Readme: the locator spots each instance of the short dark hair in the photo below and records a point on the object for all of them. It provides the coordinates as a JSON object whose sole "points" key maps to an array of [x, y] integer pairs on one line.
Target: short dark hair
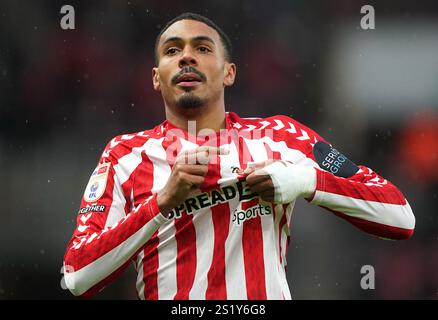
{"points": [[226, 42]]}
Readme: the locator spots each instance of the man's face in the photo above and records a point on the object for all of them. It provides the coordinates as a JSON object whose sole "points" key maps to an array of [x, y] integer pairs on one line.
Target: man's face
{"points": [[191, 70]]}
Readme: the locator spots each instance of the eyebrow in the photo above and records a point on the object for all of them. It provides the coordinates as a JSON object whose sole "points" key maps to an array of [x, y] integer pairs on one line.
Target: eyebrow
{"points": [[194, 39]]}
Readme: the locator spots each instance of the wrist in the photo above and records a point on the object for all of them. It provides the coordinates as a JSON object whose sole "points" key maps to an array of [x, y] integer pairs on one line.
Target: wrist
{"points": [[291, 180], [308, 178], [150, 208], [304, 178], [163, 204]]}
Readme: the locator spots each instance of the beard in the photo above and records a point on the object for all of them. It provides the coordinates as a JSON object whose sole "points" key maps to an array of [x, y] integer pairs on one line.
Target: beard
{"points": [[190, 101]]}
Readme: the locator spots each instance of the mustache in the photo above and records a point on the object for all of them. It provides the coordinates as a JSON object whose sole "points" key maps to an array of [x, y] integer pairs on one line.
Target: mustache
{"points": [[188, 69]]}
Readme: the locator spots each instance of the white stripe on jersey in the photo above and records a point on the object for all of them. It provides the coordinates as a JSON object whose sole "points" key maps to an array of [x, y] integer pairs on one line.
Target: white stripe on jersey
{"points": [[234, 263], [204, 229], [167, 250], [140, 282], [117, 210], [129, 162], [283, 238], [257, 150], [396, 215], [285, 232], [157, 155], [227, 176], [289, 211], [228, 161], [279, 212]]}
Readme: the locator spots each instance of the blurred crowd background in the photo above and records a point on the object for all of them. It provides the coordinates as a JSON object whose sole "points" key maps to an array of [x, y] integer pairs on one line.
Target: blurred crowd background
{"points": [[372, 93]]}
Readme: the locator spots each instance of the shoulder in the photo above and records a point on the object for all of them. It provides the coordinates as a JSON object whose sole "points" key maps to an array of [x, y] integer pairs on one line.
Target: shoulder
{"points": [[124, 144], [276, 120], [280, 124]]}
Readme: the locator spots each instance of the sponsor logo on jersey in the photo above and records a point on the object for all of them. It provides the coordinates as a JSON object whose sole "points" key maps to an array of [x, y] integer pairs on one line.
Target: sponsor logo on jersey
{"points": [[235, 169], [92, 208], [240, 216], [239, 190], [97, 184]]}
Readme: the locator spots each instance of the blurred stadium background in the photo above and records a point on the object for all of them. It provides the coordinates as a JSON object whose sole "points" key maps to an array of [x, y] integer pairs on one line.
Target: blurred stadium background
{"points": [[373, 94]]}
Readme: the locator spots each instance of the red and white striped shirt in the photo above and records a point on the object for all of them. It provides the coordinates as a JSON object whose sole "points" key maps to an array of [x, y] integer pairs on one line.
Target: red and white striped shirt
{"points": [[221, 243]]}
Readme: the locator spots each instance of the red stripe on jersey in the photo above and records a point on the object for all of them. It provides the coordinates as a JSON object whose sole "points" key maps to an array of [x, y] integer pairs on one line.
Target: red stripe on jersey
{"points": [[377, 229], [220, 215], [213, 173], [251, 203], [244, 154], [143, 180], [217, 287], [212, 177], [185, 236], [150, 267], [127, 187], [355, 187], [252, 244]]}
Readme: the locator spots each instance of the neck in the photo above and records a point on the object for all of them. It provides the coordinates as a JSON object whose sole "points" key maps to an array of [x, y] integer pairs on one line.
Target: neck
{"points": [[206, 117]]}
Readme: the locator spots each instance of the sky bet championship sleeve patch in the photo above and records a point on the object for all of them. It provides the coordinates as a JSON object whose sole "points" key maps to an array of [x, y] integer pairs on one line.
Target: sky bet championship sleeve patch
{"points": [[97, 184]]}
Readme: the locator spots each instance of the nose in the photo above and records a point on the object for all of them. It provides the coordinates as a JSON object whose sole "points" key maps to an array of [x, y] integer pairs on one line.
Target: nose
{"points": [[187, 59]]}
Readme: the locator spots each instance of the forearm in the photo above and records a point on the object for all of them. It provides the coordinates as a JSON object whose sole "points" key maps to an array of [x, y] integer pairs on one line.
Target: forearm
{"points": [[93, 259], [366, 200]]}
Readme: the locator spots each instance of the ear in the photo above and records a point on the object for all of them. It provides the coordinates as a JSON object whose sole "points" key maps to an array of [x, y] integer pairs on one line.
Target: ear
{"points": [[155, 79], [229, 74]]}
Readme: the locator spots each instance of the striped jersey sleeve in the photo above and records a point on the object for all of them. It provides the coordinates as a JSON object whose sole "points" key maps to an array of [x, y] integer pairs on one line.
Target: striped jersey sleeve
{"points": [[109, 232], [366, 200]]}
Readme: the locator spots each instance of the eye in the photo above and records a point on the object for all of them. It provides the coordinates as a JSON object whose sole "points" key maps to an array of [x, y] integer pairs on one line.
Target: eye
{"points": [[171, 51], [204, 49]]}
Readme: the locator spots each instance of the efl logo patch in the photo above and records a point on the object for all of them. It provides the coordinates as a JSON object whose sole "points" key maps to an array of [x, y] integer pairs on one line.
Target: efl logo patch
{"points": [[97, 184]]}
